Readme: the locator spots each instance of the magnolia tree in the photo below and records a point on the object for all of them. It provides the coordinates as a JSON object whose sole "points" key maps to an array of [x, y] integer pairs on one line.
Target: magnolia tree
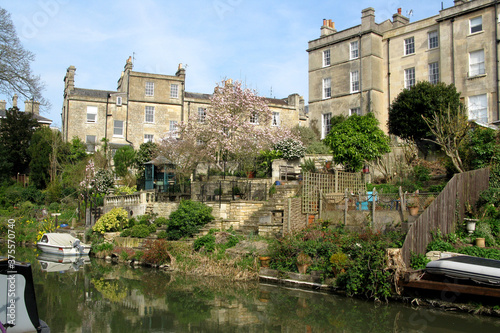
{"points": [[236, 127], [99, 181]]}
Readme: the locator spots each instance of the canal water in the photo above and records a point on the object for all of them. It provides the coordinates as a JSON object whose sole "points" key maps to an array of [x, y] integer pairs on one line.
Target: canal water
{"points": [[95, 296]]}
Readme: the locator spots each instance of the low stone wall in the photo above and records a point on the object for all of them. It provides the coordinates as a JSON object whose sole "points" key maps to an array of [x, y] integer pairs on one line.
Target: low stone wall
{"points": [[359, 219], [163, 209], [135, 204]]}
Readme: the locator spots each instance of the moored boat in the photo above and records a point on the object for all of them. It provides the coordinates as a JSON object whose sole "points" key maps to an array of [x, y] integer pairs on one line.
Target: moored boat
{"points": [[480, 270], [62, 244], [18, 306]]}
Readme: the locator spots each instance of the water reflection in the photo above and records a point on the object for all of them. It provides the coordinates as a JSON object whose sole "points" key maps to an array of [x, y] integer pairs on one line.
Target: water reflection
{"points": [[55, 263], [101, 297]]}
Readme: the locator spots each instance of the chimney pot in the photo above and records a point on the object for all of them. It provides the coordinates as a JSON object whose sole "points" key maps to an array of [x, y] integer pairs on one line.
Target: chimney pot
{"points": [[324, 22], [399, 11], [14, 101]]}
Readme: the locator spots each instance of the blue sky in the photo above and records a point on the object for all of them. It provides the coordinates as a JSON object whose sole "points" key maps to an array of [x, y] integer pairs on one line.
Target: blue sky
{"points": [[262, 43]]}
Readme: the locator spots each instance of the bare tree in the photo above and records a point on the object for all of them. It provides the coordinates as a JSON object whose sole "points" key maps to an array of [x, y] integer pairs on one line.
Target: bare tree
{"points": [[15, 70], [449, 128]]}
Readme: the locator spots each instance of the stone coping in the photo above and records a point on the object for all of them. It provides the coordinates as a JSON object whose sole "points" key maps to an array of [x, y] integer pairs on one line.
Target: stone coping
{"points": [[312, 281]]}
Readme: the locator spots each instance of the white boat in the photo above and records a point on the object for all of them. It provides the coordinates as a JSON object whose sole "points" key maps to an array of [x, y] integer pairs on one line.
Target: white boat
{"points": [[477, 269], [62, 244]]}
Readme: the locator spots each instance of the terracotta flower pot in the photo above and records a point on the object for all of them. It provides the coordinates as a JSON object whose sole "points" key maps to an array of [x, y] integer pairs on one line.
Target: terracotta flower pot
{"points": [[413, 211], [264, 261], [302, 268]]}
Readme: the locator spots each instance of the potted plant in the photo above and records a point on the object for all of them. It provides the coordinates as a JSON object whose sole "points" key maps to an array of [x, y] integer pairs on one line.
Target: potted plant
{"points": [[264, 261], [470, 218], [303, 262], [413, 208], [217, 193], [339, 262], [236, 192]]}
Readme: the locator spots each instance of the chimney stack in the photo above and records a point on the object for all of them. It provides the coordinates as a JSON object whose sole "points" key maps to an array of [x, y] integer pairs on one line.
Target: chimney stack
{"points": [[32, 106], [399, 20], [14, 101], [328, 28], [3, 105], [69, 80], [181, 72], [367, 19]]}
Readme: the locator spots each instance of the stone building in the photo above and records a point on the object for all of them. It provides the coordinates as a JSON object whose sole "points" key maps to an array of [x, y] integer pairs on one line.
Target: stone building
{"points": [[145, 107], [30, 106], [363, 68]]}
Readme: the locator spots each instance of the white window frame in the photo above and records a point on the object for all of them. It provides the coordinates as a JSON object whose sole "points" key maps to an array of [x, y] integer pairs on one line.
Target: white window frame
{"points": [[202, 114], [254, 118], [355, 81], [118, 128], [150, 88], [410, 45], [354, 111], [90, 142], [327, 88], [172, 128], [326, 124], [434, 72], [478, 108], [409, 77], [433, 39], [326, 58], [149, 114], [354, 50], [174, 90], [476, 63], [276, 119], [148, 138], [476, 24], [91, 114], [118, 101]]}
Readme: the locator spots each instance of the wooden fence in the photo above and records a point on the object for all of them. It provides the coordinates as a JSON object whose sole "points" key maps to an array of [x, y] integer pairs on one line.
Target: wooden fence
{"points": [[445, 211], [317, 184]]}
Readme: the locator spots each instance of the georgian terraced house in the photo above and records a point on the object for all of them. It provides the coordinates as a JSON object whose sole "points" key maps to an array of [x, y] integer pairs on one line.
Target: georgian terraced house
{"points": [[146, 107], [363, 68]]}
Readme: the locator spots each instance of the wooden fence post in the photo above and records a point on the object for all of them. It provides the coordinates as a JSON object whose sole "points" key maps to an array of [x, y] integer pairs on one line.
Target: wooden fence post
{"points": [[374, 193], [289, 213], [320, 204], [346, 206]]}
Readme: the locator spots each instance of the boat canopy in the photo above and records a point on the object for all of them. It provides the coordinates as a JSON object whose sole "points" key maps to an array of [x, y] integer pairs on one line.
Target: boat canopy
{"points": [[58, 239]]}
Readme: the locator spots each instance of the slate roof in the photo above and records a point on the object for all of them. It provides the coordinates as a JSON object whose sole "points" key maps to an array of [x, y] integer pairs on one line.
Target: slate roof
{"points": [[91, 92], [197, 95], [275, 101], [39, 118]]}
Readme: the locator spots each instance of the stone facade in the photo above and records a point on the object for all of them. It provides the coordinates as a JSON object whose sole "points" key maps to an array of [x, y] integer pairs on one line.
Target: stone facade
{"points": [[144, 107], [363, 68]]}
